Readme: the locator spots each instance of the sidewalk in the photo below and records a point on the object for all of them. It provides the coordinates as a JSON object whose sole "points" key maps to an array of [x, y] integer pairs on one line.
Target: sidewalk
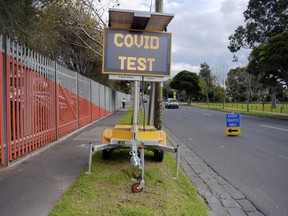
{"points": [[33, 186]]}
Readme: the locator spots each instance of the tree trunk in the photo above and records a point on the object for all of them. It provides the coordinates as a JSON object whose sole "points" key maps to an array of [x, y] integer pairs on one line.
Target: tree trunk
{"points": [[273, 101], [158, 106], [189, 101], [248, 89]]}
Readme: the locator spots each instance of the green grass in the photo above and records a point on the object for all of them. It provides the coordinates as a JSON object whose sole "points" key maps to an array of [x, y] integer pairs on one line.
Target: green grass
{"points": [[254, 109], [107, 191], [128, 118], [280, 108]]}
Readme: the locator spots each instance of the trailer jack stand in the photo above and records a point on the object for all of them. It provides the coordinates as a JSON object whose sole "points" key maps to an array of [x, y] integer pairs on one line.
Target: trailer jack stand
{"points": [[138, 184], [138, 180]]}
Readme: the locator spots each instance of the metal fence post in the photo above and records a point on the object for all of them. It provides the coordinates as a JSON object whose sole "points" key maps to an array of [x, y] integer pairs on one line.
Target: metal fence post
{"points": [[99, 104], [2, 101], [105, 101], [5, 156], [91, 119], [77, 100], [56, 102]]}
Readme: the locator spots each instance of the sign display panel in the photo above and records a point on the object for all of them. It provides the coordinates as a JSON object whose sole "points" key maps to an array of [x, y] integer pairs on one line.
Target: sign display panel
{"points": [[233, 124], [136, 53]]}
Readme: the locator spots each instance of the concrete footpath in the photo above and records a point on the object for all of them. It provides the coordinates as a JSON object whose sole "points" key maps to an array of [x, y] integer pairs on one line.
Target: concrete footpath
{"points": [[34, 184]]}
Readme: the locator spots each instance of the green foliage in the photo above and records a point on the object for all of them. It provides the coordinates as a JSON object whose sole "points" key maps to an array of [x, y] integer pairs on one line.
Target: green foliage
{"points": [[243, 85], [203, 86], [236, 84], [263, 19], [264, 32], [17, 18], [187, 81], [70, 32], [219, 93], [269, 60], [167, 92], [206, 74]]}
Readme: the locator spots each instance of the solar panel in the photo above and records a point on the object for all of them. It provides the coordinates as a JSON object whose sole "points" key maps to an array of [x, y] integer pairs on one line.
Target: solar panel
{"points": [[142, 20]]}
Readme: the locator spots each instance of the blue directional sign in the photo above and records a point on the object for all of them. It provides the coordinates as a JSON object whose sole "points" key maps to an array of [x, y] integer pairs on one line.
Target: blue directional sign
{"points": [[232, 120], [233, 124]]}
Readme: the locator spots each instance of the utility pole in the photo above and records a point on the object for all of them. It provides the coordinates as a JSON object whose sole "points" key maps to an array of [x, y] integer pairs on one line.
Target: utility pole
{"points": [[157, 85]]}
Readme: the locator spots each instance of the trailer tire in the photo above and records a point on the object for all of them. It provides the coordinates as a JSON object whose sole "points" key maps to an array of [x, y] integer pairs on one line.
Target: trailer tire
{"points": [[107, 154], [135, 186], [158, 155]]}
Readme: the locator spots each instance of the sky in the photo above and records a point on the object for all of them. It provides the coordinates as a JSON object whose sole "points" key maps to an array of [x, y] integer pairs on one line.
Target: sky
{"points": [[200, 31]]}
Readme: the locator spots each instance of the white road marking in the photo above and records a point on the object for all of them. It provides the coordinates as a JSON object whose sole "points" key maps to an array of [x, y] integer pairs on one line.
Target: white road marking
{"points": [[276, 128], [82, 146], [283, 157], [207, 114]]}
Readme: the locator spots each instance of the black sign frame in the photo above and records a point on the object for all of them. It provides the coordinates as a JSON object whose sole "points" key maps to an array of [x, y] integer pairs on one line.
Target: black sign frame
{"points": [[137, 53]]}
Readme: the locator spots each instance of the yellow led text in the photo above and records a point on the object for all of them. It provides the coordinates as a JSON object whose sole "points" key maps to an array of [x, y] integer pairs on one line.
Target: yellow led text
{"points": [[134, 63], [140, 41]]}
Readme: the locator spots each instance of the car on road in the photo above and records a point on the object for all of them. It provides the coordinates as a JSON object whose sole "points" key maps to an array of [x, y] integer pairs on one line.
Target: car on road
{"points": [[171, 103]]}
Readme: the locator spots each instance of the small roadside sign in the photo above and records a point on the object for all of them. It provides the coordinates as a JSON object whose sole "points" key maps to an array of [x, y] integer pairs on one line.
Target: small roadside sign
{"points": [[233, 124], [136, 78]]}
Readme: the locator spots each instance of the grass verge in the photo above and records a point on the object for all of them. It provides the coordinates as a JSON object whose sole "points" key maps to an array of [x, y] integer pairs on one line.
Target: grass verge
{"points": [[242, 111], [107, 191]]}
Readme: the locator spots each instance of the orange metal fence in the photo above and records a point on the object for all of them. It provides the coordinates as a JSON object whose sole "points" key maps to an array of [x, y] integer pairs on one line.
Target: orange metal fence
{"points": [[1, 110], [42, 101]]}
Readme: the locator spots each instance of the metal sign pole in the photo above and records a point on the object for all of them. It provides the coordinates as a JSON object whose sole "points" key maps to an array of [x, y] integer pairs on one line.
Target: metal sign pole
{"points": [[135, 106]]}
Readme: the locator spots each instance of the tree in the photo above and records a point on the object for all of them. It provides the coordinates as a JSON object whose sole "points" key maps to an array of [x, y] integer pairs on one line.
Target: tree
{"points": [[263, 19], [271, 58], [206, 74], [166, 89], [187, 81], [221, 76], [276, 55], [269, 61], [242, 85], [16, 18], [69, 32], [235, 84], [219, 93], [204, 89], [19, 19]]}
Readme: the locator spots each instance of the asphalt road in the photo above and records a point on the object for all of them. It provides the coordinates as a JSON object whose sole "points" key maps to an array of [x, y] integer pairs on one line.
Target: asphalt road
{"points": [[255, 162]]}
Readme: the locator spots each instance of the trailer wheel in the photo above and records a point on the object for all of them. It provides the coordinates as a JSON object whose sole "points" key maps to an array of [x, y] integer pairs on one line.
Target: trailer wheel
{"points": [[158, 155], [107, 154], [135, 186]]}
